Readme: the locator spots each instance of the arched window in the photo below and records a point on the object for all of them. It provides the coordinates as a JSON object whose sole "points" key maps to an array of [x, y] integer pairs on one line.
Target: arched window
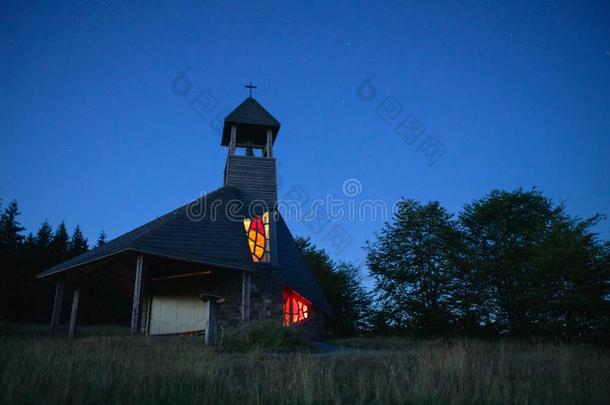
{"points": [[296, 308]]}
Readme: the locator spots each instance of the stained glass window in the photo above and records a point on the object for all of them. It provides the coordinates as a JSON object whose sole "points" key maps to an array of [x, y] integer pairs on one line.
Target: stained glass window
{"points": [[257, 230], [296, 308]]}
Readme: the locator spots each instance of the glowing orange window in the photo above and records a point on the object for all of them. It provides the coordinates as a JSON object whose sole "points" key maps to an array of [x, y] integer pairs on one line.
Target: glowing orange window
{"points": [[296, 308], [257, 229]]}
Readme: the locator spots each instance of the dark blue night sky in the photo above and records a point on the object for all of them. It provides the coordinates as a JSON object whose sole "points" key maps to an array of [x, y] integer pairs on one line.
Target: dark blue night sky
{"points": [[516, 94]]}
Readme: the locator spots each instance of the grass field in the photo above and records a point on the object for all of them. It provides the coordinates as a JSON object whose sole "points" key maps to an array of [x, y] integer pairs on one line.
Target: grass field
{"points": [[122, 369]]}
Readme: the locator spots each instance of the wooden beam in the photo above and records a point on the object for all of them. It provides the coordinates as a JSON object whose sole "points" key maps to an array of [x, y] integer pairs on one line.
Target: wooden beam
{"points": [[269, 145], [136, 309], [273, 244], [73, 313], [146, 307], [233, 141], [197, 273], [57, 304], [245, 297], [211, 327]]}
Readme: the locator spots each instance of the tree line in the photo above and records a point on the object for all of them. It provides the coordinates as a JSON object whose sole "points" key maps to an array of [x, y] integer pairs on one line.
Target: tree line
{"points": [[509, 264], [512, 263], [23, 297]]}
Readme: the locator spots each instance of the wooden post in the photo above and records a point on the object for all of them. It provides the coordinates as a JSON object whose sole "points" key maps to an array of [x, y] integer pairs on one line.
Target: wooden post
{"points": [[57, 304], [269, 146], [145, 321], [273, 221], [137, 294], [211, 327], [245, 297], [73, 313], [233, 141]]}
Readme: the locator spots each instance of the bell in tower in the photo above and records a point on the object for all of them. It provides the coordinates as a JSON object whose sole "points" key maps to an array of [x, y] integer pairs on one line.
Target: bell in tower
{"points": [[250, 126]]}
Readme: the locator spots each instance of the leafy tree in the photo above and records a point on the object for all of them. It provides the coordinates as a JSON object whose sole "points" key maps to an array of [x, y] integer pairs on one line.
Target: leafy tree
{"points": [[356, 312], [531, 268], [413, 262], [78, 242], [341, 285]]}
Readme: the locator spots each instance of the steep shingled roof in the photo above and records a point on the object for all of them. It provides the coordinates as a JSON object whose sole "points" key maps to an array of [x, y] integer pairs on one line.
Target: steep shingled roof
{"points": [[251, 112], [295, 270], [218, 241], [175, 235], [253, 118]]}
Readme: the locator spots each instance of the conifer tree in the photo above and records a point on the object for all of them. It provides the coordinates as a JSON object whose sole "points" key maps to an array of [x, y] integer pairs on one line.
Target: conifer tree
{"points": [[101, 239], [11, 275], [39, 257], [78, 242], [44, 236], [10, 228], [60, 244]]}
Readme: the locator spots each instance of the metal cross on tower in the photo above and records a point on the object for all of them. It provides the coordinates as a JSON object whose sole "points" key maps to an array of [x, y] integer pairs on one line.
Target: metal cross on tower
{"points": [[249, 86]]}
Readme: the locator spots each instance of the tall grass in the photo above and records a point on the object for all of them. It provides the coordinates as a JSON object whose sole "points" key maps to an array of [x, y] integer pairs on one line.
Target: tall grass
{"points": [[123, 369]]}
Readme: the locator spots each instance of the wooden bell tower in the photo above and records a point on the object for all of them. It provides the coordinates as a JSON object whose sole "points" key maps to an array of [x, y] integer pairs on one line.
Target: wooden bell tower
{"points": [[249, 132]]}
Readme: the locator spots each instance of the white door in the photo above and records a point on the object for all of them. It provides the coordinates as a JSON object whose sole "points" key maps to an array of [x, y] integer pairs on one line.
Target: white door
{"points": [[177, 314]]}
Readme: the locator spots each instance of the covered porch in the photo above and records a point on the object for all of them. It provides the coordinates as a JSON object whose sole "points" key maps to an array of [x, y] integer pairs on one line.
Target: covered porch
{"points": [[168, 296]]}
